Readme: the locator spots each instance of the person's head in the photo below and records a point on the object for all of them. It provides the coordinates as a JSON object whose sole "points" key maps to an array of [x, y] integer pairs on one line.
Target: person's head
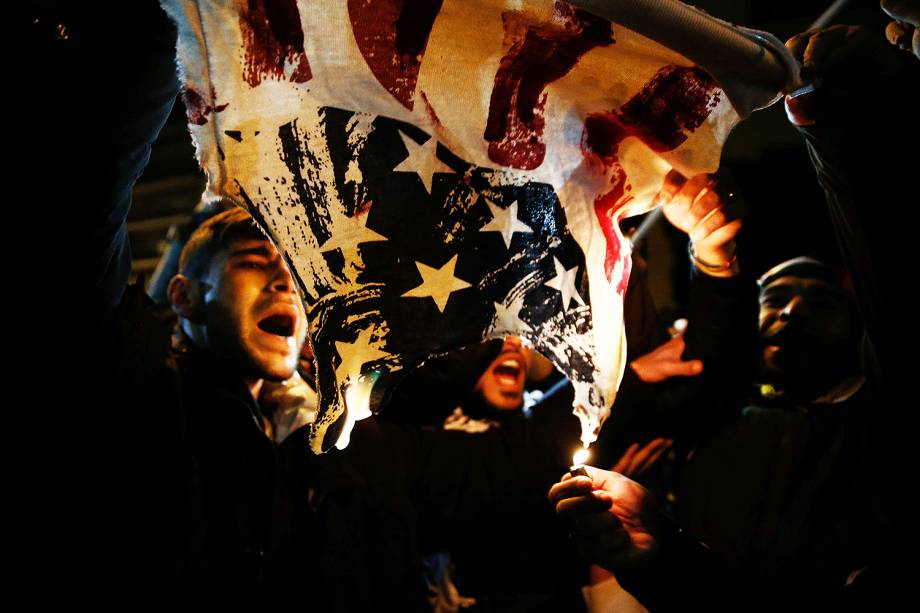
{"points": [[809, 332], [235, 297], [501, 385]]}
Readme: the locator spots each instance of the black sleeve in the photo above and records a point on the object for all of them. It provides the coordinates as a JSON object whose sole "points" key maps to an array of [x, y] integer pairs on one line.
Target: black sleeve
{"points": [[686, 576], [864, 147], [106, 84], [722, 331], [483, 497]]}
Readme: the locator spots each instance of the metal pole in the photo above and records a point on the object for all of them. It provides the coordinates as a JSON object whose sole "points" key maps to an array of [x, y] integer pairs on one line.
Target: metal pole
{"points": [[829, 14], [827, 17]]}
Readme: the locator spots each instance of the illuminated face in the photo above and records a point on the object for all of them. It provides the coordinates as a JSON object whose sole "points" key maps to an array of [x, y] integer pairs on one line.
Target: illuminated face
{"points": [[252, 312], [806, 326], [502, 384]]}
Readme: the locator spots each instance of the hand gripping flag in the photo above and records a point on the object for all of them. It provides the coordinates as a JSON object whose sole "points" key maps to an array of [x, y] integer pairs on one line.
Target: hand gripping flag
{"points": [[438, 172]]}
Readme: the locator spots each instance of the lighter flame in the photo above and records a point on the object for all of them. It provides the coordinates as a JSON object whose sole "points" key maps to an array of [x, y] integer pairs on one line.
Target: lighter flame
{"points": [[581, 456]]}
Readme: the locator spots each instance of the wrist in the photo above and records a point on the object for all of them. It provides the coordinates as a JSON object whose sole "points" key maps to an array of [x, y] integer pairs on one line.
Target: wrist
{"points": [[721, 261], [717, 255]]}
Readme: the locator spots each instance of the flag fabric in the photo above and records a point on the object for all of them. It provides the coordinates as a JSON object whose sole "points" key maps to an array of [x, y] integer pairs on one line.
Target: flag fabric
{"points": [[438, 172]]}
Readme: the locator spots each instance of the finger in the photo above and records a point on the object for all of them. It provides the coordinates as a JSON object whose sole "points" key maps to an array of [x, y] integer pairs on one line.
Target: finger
{"points": [[818, 53], [712, 221], [653, 446], [732, 212], [665, 370], [673, 181], [578, 506], [713, 227], [640, 459], [707, 201], [902, 35], [690, 190], [628, 498], [798, 43], [605, 483], [570, 487], [897, 34], [688, 368], [623, 463], [653, 454], [659, 453]]}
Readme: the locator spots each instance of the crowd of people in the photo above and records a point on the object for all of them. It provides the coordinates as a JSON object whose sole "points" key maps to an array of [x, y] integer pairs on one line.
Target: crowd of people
{"points": [[752, 461]]}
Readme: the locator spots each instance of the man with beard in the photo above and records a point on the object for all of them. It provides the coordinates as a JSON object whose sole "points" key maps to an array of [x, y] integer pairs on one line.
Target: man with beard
{"points": [[782, 498], [774, 492], [809, 334]]}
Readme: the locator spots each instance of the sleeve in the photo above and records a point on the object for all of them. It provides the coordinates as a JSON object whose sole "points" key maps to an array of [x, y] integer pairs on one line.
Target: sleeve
{"points": [[863, 145], [722, 331]]}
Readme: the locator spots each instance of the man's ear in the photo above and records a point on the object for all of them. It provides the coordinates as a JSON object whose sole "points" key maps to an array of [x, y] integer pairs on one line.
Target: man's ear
{"points": [[185, 296]]}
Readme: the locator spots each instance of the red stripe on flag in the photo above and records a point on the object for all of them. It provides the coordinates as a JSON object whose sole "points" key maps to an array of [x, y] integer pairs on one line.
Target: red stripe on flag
{"points": [[272, 38], [539, 55], [392, 36], [674, 103]]}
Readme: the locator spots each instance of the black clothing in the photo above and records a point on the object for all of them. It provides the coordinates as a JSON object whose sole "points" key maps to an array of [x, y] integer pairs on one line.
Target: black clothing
{"points": [[722, 316], [781, 493], [782, 499], [237, 501], [354, 540]]}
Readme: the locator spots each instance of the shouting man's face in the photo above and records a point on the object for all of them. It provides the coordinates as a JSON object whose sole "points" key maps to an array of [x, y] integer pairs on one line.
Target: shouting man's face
{"points": [[502, 383], [252, 312]]}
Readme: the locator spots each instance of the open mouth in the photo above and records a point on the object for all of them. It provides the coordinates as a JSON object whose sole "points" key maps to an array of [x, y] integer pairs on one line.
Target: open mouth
{"points": [[279, 325], [508, 371]]}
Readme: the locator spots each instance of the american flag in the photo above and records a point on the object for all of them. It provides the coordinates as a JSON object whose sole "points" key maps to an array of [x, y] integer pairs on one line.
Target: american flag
{"points": [[441, 172]]}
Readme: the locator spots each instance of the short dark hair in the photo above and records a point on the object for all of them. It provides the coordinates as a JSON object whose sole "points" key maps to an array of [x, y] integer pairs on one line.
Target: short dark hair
{"points": [[213, 236], [805, 267]]}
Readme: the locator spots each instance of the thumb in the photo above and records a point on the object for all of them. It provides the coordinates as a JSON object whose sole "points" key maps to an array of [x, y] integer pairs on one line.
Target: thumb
{"points": [[680, 368]]}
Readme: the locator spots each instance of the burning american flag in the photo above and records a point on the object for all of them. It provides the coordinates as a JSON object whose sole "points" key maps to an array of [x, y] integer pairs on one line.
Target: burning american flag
{"points": [[438, 172]]}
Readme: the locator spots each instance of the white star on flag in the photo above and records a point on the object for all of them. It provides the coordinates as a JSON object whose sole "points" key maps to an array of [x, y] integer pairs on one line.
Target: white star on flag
{"points": [[438, 283], [508, 318], [505, 222], [549, 109], [356, 354], [349, 233], [422, 160], [564, 282], [357, 391]]}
